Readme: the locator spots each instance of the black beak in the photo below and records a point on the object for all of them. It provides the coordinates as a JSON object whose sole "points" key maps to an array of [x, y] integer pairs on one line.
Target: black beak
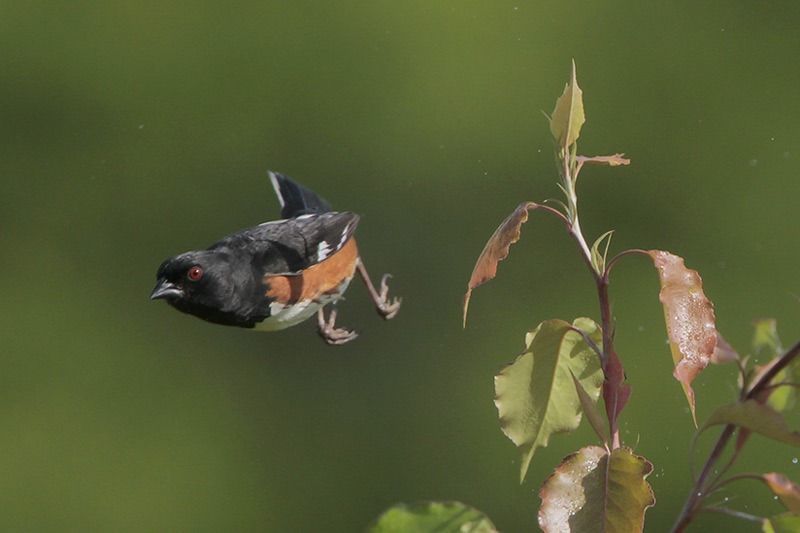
{"points": [[166, 290]]}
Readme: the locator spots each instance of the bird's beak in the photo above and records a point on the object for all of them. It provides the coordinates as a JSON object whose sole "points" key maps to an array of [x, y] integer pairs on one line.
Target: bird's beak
{"points": [[166, 290]]}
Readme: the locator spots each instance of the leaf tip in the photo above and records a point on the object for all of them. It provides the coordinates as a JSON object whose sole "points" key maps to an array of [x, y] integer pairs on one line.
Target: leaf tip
{"points": [[467, 296]]}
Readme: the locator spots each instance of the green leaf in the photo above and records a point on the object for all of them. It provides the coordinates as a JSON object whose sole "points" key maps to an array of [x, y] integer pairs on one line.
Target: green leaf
{"points": [[766, 342], [568, 115], [535, 395], [589, 407], [767, 345], [439, 517], [756, 417], [598, 258], [594, 491], [782, 523]]}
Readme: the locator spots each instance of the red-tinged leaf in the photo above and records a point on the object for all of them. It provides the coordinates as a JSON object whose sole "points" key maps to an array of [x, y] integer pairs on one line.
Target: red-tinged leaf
{"points": [[613, 160], [690, 320], [592, 490], [785, 489], [756, 417], [723, 352], [615, 391], [742, 435], [497, 249], [568, 116]]}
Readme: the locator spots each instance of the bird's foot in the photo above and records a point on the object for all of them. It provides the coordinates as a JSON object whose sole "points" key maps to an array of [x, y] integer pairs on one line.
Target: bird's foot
{"points": [[387, 308], [330, 333]]}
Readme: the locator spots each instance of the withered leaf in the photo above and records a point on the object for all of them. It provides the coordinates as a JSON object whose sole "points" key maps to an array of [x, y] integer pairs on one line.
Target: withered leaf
{"points": [[690, 320], [784, 488], [497, 249], [613, 160]]}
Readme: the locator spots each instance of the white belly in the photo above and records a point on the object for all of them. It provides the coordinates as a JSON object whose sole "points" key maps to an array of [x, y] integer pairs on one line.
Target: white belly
{"points": [[285, 316]]}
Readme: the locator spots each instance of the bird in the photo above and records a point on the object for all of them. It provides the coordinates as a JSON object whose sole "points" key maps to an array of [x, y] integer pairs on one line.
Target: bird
{"points": [[277, 274]]}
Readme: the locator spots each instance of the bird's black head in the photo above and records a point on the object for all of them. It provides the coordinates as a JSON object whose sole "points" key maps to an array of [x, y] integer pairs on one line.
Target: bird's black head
{"points": [[203, 284]]}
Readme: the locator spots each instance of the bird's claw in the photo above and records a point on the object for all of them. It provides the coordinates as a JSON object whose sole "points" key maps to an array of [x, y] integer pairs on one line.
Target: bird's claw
{"points": [[330, 333], [387, 308]]}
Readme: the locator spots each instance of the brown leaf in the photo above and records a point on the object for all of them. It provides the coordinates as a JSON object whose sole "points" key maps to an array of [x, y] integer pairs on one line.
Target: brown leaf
{"points": [[497, 249], [690, 320], [785, 489], [613, 160]]}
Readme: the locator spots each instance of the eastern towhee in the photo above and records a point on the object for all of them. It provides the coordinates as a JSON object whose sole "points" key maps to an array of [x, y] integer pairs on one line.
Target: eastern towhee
{"points": [[277, 274]]}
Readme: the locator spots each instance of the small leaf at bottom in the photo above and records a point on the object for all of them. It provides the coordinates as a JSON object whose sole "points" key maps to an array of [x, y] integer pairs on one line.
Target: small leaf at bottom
{"points": [[592, 490], [439, 517]]}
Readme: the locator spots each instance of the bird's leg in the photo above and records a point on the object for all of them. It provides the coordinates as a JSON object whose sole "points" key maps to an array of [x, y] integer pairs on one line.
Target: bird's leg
{"points": [[331, 334], [386, 308]]}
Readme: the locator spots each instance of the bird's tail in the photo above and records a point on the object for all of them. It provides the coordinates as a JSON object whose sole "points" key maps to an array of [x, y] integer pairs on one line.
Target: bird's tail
{"points": [[295, 199]]}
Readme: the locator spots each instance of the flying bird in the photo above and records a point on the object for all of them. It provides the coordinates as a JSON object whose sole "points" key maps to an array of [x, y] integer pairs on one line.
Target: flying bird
{"points": [[277, 274]]}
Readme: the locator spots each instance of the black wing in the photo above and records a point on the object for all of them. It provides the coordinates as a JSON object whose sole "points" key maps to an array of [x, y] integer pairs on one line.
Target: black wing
{"points": [[295, 199], [290, 246]]}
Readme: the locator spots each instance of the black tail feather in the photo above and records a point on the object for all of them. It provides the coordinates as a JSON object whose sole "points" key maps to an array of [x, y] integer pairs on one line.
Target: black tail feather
{"points": [[295, 199]]}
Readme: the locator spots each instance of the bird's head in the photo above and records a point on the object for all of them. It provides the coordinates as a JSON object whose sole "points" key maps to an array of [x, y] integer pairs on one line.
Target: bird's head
{"points": [[199, 283]]}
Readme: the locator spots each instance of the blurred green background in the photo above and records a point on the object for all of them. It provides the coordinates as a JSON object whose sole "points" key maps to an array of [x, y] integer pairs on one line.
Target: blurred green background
{"points": [[130, 132]]}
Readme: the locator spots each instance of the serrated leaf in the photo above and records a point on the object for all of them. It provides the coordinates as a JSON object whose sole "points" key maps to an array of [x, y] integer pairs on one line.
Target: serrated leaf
{"points": [[589, 407], [439, 517], [535, 395], [497, 249], [782, 523], [785, 489], [756, 417], [592, 491], [568, 116], [613, 160], [690, 320], [598, 257]]}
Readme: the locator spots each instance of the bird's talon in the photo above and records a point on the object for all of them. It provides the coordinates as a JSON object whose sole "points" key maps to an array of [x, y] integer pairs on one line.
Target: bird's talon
{"points": [[330, 334]]}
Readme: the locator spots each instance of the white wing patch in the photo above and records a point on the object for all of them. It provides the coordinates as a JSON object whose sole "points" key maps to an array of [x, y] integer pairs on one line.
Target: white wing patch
{"points": [[345, 235], [323, 250]]}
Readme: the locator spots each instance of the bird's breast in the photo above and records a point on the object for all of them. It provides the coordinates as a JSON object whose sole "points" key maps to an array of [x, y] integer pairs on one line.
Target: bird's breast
{"points": [[296, 298]]}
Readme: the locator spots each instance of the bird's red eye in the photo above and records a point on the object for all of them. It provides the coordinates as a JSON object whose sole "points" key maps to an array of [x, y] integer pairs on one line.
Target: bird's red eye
{"points": [[195, 273]]}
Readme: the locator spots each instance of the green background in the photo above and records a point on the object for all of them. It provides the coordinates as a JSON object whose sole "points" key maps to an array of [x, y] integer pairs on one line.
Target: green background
{"points": [[130, 132]]}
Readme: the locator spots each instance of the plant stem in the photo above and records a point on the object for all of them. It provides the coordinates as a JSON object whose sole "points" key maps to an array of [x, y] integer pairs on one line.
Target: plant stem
{"points": [[611, 382], [699, 489]]}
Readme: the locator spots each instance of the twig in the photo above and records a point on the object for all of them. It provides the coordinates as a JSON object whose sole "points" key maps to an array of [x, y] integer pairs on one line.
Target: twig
{"points": [[734, 513], [699, 489]]}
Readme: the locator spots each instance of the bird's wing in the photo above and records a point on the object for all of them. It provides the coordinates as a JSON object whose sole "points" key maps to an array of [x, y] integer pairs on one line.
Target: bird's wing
{"points": [[288, 247]]}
